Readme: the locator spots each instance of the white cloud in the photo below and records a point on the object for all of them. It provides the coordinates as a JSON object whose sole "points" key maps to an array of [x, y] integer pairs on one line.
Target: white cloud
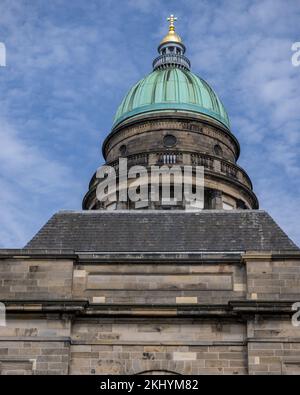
{"points": [[245, 52], [29, 182]]}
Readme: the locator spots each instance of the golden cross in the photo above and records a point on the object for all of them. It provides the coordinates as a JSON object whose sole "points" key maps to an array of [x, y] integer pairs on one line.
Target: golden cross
{"points": [[172, 19]]}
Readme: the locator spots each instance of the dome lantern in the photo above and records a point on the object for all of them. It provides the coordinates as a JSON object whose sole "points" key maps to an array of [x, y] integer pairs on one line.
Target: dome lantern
{"points": [[171, 50]]}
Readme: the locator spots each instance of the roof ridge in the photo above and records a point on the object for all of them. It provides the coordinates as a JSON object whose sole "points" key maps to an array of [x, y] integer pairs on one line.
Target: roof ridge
{"points": [[170, 212]]}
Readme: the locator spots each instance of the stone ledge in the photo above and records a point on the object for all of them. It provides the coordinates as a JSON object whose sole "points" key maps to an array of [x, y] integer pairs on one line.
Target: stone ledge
{"points": [[32, 339], [38, 306], [165, 343], [110, 257], [159, 257], [255, 256], [263, 306], [232, 309], [24, 253], [274, 340]]}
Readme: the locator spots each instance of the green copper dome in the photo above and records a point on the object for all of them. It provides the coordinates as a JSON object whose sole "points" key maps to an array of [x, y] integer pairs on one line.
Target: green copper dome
{"points": [[172, 88]]}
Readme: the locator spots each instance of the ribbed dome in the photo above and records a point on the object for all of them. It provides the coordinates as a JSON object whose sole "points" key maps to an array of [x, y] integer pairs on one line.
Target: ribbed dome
{"points": [[172, 89]]}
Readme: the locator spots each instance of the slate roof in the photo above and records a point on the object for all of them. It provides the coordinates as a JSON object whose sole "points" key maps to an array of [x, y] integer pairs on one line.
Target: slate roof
{"points": [[162, 231]]}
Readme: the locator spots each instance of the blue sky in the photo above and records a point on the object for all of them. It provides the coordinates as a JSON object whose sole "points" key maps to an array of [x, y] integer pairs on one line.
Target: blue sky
{"points": [[69, 64]]}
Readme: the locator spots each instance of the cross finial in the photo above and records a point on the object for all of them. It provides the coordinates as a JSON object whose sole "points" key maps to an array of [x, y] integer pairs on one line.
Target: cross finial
{"points": [[172, 19]]}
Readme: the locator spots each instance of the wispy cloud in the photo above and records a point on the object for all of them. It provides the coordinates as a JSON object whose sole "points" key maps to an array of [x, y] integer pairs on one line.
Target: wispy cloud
{"points": [[245, 51], [31, 184]]}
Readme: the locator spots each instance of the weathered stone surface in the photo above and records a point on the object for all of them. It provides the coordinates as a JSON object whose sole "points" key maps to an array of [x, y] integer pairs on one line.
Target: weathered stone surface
{"points": [[201, 317], [172, 359], [157, 283], [35, 279], [273, 279], [34, 357]]}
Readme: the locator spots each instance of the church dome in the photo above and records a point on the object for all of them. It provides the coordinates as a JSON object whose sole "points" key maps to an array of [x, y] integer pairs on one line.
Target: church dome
{"points": [[172, 88], [160, 123]]}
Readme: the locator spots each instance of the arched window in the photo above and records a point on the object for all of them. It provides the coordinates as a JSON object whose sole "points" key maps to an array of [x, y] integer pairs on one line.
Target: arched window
{"points": [[123, 149], [218, 150], [158, 372]]}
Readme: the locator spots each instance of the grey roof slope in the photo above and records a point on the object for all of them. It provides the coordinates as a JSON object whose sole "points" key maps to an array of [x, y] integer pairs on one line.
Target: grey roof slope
{"points": [[162, 231]]}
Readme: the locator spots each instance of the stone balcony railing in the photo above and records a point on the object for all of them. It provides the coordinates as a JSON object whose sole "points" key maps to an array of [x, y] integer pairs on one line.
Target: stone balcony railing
{"points": [[210, 163], [168, 60]]}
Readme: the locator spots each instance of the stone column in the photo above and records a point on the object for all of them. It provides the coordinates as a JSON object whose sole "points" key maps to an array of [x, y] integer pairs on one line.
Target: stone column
{"points": [[216, 202]]}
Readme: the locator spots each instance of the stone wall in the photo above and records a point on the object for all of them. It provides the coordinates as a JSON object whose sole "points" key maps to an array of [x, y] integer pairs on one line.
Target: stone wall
{"points": [[274, 347], [159, 283], [35, 344], [130, 347], [272, 279], [148, 136], [130, 359], [35, 279], [88, 315], [34, 357], [121, 346]]}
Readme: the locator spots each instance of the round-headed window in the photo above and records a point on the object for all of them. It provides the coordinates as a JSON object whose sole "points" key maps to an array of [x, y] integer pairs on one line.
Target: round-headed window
{"points": [[170, 140], [218, 150], [123, 149]]}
